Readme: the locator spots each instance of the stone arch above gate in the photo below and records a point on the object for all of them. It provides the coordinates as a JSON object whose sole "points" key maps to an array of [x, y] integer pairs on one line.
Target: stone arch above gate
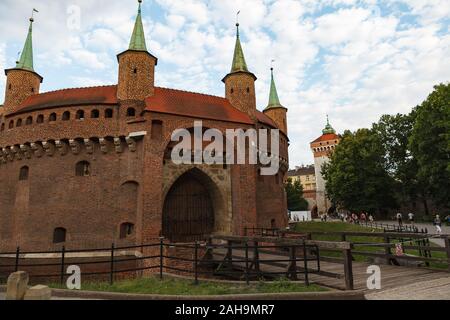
{"points": [[200, 194]]}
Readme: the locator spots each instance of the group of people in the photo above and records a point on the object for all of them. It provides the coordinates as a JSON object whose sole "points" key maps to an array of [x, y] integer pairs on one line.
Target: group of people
{"points": [[355, 218], [437, 222]]}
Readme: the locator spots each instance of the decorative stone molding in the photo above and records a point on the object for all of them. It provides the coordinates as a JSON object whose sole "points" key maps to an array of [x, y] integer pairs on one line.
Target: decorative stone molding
{"points": [[62, 147], [103, 145], [49, 148], [74, 146], [38, 149], [89, 144], [26, 150], [118, 145], [17, 154], [131, 144]]}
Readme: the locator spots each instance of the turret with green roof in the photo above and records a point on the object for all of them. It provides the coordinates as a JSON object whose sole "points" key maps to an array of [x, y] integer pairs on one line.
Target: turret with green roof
{"points": [[136, 66], [275, 109], [240, 82], [274, 100], [22, 81]]}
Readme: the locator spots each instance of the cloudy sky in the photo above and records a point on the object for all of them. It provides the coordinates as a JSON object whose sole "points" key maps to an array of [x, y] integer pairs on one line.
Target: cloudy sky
{"points": [[352, 59]]}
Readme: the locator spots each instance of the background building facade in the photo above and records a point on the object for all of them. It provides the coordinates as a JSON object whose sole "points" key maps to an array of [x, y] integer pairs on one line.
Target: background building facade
{"points": [[322, 148]]}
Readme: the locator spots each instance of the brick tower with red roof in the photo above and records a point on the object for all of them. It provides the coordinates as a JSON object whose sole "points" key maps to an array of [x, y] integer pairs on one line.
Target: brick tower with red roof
{"points": [[322, 148]]}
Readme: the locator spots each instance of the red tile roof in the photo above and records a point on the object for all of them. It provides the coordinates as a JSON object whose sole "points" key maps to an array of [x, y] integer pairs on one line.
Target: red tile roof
{"points": [[194, 105], [70, 97], [169, 101], [327, 137]]}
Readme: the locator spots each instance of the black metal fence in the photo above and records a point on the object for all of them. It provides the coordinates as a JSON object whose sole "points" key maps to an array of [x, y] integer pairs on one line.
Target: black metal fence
{"points": [[239, 261]]}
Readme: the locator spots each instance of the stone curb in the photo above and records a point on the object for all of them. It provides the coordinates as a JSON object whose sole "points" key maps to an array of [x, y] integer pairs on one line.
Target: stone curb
{"points": [[336, 295]]}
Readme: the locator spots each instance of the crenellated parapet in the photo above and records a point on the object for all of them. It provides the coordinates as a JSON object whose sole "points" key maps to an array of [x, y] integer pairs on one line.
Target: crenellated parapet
{"points": [[52, 148]]}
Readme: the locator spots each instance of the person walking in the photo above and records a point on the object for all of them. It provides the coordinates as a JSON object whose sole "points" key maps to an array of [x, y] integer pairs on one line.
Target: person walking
{"points": [[438, 224], [411, 218], [400, 219], [371, 219]]}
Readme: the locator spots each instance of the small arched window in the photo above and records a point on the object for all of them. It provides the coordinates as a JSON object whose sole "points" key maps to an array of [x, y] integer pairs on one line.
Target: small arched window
{"points": [[126, 230], [40, 119], [109, 113], [131, 112], [83, 169], [66, 116], [135, 70], [80, 115], [29, 121], [95, 114], [10, 86], [24, 172], [52, 117], [59, 235], [232, 90], [11, 124], [3, 127], [19, 123]]}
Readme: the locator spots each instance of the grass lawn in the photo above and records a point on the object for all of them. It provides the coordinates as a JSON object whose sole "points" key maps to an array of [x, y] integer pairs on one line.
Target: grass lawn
{"points": [[175, 286], [347, 227]]}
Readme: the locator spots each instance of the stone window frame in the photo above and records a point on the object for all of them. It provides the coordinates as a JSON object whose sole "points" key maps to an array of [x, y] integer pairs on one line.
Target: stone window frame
{"points": [[29, 121], [53, 117]]}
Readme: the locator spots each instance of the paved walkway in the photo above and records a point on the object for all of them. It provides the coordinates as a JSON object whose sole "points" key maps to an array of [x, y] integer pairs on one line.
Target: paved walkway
{"points": [[438, 289], [431, 230]]}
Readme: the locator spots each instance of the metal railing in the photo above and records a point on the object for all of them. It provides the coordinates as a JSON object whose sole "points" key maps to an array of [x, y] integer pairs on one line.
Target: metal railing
{"points": [[242, 261]]}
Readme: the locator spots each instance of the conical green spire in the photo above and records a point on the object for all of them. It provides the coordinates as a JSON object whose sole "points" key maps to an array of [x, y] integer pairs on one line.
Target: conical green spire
{"points": [[138, 38], [239, 63], [26, 58], [274, 101], [328, 128]]}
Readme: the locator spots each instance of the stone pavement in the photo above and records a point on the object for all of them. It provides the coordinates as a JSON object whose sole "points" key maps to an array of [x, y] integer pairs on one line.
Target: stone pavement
{"points": [[438, 289]]}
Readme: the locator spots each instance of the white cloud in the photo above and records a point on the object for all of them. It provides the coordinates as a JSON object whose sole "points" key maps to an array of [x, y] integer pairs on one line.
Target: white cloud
{"points": [[347, 58]]}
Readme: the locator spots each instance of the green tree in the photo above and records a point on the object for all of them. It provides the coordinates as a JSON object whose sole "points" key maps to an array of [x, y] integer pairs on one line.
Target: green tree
{"points": [[430, 144], [356, 174], [294, 191], [394, 133]]}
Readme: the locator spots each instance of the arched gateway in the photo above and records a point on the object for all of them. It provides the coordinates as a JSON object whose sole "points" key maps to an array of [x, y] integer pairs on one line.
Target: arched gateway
{"points": [[188, 209]]}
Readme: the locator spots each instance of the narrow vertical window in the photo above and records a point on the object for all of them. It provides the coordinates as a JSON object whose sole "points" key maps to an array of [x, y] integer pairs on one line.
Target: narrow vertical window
{"points": [[83, 169], [23, 175]]}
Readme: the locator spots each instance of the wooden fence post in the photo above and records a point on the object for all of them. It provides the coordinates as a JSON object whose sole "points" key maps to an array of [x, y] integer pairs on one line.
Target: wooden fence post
{"points": [[447, 246], [348, 269], [16, 268], [111, 274]]}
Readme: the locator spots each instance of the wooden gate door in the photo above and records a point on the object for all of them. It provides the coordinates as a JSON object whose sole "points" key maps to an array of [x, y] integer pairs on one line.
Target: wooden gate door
{"points": [[188, 211]]}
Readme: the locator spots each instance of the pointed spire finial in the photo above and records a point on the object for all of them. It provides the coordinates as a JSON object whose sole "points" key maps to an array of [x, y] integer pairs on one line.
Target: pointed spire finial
{"points": [[274, 100], [137, 41], [328, 128], [239, 63], [26, 58], [237, 23]]}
